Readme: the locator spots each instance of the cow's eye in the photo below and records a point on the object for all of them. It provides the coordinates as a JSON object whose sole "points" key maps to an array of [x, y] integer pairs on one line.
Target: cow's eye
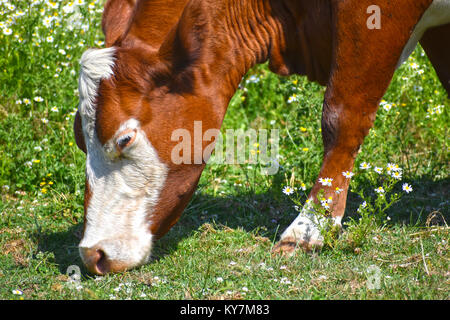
{"points": [[125, 140]]}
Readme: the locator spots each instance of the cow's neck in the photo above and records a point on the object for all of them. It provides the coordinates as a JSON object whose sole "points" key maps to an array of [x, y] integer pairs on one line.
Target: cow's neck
{"points": [[241, 38], [223, 39]]}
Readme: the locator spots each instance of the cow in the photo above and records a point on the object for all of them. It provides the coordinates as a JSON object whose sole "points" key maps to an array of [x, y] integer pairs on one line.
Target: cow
{"points": [[169, 63]]}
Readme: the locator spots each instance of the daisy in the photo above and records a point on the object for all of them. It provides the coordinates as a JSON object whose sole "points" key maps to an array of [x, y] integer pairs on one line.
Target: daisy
{"points": [[303, 186], [387, 106], [379, 190], [397, 175], [17, 292], [365, 166], [7, 31], [338, 190], [53, 5], [292, 98], [47, 22], [348, 174], [54, 109], [407, 188], [325, 204], [325, 181], [378, 170], [38, 99], [287, 190], [69, 8]]}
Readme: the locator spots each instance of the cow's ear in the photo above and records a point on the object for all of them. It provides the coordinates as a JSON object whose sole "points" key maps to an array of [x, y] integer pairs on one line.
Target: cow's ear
{"points": [[78, 132], [182, 46], [116, 18]]}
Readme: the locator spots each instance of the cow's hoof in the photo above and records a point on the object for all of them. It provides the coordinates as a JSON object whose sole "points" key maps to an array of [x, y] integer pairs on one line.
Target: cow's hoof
{"points": [[289, 245]]}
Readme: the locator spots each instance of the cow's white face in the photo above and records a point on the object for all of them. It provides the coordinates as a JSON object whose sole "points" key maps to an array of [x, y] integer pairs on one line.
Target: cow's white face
{"points": [[124, 177]]}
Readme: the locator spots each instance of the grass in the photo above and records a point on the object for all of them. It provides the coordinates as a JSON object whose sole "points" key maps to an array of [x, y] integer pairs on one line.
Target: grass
{"points": [[220, 249]]}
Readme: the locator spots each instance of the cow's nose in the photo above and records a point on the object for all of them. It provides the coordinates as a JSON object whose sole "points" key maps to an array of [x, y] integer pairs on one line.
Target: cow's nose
{"points": [[97, 261]]}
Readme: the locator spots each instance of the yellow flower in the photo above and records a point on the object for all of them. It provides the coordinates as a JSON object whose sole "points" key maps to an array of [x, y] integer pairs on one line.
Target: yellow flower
{"points": [[70, 144], [50, 183], [44, 190], [36, 161], [43, 183], [305, 149], [303, 129]]}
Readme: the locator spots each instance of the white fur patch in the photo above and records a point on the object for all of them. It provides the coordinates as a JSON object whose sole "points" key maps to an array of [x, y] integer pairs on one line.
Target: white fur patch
{"points": [[95, 65], [436, 15], [125, 186], [306, 227]]}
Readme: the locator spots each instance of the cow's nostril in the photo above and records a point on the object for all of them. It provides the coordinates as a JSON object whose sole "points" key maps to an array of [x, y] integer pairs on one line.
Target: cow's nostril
{"points": [[102, 265], [95, 260]]}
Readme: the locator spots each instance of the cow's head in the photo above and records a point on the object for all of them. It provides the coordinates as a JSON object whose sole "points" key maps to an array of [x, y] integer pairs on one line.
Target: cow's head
{"points": [[132, 99]]}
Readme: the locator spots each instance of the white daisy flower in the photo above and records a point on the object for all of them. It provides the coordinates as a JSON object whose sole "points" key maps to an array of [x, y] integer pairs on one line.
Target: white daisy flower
{"points": [[7, 31], [17, 292], [365, 166], [379, 190], [348, 174], [378, 170], [397, 175], [326, 181], [407, 188], [338, 190], [287, 190]]}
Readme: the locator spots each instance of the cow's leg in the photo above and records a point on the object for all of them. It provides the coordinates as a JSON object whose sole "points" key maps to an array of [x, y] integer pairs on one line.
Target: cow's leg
{"points": [[436, 45], [365, 61]]}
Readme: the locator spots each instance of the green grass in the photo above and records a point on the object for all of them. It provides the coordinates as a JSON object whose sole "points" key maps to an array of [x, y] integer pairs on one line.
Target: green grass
{"points": [[221, 246]]}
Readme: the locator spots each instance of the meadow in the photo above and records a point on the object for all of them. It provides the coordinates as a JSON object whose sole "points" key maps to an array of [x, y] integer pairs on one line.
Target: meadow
{"points": [[221, 247]]}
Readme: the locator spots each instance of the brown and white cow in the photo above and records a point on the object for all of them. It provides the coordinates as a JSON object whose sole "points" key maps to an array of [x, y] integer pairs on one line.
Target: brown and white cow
{"points": [[170, 63]]}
